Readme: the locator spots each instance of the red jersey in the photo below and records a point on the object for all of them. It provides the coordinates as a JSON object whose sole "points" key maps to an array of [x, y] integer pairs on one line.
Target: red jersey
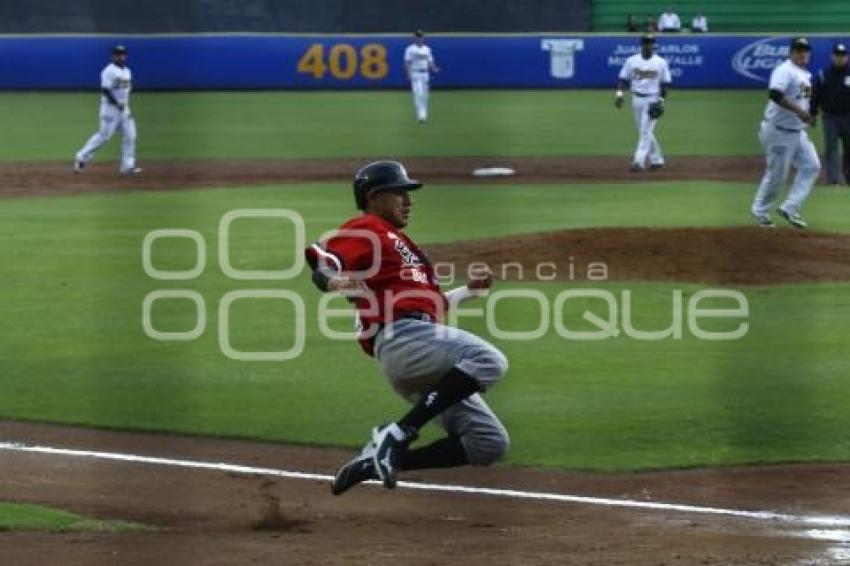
{"points": [[396, 271]]}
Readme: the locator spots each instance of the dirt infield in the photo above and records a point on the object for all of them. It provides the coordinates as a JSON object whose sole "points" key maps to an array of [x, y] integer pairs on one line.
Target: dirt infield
{"points": [[744, 256], [214, 517], [39, 179]]}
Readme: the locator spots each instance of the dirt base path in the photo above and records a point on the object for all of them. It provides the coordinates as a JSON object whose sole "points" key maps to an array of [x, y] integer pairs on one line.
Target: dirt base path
{"points": [[51, 178], [213, 517]]}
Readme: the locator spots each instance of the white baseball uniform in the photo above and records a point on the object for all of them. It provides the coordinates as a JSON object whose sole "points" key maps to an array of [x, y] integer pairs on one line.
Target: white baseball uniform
{"points": [[785, 142], [118, 81], [645, 77], [419, 60], [669, 21]]}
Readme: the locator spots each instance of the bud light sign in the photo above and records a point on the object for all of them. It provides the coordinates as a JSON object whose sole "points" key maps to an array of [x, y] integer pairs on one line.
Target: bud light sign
{"points": [[756, 60]]}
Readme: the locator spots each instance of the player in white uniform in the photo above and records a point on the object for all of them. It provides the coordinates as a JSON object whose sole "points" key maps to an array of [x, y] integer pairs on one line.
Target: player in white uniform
{"points": [[783, 136], [648, 77], [115, 83], [669, 21], [419, 63]]}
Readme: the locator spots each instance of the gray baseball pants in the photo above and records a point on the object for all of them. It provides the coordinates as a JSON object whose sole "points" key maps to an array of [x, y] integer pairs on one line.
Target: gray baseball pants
{"points": [[414, 355]]}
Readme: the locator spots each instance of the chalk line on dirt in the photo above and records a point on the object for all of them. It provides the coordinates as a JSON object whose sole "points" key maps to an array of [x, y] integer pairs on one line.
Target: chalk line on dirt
{"points": [[768, 516]]}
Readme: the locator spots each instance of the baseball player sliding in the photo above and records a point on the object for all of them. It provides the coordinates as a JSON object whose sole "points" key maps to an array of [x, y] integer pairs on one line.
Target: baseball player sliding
{"points": [[115, 82], [648, 77], [441, 370], [419, 63], [784, 139]]}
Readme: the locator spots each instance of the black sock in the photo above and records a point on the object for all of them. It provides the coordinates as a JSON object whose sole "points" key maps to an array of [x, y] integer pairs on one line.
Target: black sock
{"points": [[447, 452], [452, 387]]}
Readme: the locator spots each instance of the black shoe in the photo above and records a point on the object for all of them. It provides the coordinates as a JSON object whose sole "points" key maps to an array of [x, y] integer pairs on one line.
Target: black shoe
{"points": [[794, 219], [635, 168], [656, 166], [390, 442], [764, 220], [355, 471]]}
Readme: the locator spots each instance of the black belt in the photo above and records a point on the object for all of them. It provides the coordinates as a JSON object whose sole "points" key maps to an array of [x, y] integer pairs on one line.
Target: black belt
{"points": [[416, 315], [642, 95], [787, 130]]}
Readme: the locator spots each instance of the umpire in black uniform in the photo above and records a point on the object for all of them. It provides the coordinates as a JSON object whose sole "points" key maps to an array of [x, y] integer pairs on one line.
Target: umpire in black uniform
{"points": [[832, 97]]}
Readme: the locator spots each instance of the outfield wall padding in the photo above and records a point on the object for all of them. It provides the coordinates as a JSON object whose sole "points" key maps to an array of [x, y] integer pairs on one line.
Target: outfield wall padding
{"points": [[234, 62]]}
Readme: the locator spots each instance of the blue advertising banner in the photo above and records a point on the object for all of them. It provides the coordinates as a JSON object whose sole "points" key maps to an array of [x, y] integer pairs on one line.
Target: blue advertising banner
{"points": [[370, 62]]}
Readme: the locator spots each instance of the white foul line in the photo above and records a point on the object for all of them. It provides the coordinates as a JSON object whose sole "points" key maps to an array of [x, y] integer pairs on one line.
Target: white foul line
{"points": [[813, 520]]}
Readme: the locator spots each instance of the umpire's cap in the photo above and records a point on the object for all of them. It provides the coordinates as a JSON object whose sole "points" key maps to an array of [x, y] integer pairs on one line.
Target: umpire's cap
{"points": [[800, 44], [381, 176], [419, 33], [647, 38], [119, 50]]}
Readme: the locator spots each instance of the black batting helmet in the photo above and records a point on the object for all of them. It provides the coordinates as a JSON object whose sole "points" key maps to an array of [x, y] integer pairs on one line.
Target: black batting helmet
{"points": [[381, 176], [800, 44]]}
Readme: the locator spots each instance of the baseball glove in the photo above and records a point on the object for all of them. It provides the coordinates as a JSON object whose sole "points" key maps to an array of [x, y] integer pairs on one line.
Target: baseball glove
{"points": [[656, 109]]}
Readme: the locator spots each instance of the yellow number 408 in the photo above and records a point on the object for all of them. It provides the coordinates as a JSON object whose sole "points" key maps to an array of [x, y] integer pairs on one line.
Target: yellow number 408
{"points": [[342, 61]]}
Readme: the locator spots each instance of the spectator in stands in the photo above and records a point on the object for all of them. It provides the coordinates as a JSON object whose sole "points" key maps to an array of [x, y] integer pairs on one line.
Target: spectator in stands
{"points": [[700, 23], [632, 23], [669, 21], [651, 26], [832, 97]]}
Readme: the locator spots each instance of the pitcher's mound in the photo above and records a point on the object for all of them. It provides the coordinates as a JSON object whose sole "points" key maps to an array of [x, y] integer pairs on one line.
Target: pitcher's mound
{"points": [[748, 256]]}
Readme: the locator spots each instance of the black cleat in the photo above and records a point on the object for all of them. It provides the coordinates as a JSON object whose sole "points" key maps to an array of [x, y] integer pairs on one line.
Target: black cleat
{"points": [[794, 219], [764, 220], [656, 166], [355, 471]]}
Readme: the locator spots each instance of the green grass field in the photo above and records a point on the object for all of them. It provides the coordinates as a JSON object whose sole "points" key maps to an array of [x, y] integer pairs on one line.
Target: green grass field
{"points": [[74, 349], [335, 124], [27, 517]]}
